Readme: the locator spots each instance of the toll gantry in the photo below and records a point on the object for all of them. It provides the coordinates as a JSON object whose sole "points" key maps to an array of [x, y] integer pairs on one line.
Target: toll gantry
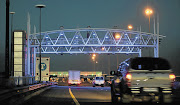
{"points": [[76, 41], [94, 40]]}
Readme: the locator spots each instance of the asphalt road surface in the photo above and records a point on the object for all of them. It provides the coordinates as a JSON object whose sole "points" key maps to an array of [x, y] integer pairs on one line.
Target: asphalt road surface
{"points": [[74, 95]]}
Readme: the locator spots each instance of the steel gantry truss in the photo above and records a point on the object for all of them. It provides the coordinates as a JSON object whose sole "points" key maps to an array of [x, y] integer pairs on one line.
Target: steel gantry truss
{"points": [[94, 40]]}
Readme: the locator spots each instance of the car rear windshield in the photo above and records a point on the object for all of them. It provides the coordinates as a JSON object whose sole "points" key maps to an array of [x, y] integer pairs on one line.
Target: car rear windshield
{"points": [[99, 78], [150, 64], [177, 79]]}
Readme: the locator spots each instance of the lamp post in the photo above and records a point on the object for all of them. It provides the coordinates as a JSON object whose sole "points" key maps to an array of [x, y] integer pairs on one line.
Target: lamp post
{"points": [[94, 60], [7, 41], [40, 6], [11, 59], [157, 36], [130, 27], [117, 61], [149, 12], [156, 50], [12, 13]]}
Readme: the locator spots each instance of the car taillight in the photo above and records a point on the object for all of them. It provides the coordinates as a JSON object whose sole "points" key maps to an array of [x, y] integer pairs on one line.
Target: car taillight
{"points": [[172, 76], [79, 82], [128, 76], [69, 81]]}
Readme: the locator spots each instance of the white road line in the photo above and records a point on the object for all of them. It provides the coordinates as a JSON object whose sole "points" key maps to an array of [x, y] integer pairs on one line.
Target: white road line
{"points": [[73, 97]]}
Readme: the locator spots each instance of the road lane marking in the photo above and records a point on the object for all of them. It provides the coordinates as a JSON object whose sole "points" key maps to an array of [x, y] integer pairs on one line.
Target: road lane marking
{"points": [[73, 97]]}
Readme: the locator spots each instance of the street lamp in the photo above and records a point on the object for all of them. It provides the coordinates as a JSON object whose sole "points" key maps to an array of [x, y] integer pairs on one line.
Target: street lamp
{"points": [[103, 48], [7, 40], [117, 36], [149, 12], [93, 58], [130, 27], [11, 61], [40, 6], [12, 13]]}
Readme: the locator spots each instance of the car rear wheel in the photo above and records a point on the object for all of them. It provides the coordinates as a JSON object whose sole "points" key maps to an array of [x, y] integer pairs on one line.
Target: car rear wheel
{"points": [[114, 98], [165, 98], [125, 98]]}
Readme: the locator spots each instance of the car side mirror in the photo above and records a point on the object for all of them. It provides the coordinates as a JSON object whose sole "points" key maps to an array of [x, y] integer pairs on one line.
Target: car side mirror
{"points": [[113, 72], [120, 69]]}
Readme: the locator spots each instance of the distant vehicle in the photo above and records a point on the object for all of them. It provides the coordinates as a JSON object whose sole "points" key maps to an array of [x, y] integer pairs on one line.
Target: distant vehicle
{"points": [[74, 77], [54, 79], [62, 79], [89, 80], [143, 78], [108, 80], [98, 81]]}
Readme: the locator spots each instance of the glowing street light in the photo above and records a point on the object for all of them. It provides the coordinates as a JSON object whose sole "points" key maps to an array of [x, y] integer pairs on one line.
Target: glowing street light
{"points": [[102, 48], [148, 11], [93, 57], [117, 36], [130, 27]]}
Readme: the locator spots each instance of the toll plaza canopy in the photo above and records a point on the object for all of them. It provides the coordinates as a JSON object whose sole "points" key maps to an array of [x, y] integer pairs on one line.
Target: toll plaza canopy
{"points": [[82, 73]]}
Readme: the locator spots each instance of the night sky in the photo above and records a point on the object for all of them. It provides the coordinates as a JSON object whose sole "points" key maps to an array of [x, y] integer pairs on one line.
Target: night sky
{"points": [[98, 14]]}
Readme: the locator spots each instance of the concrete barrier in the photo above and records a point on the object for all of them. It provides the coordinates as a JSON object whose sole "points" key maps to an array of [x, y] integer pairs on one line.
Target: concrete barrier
{"points": [[20, 81]]}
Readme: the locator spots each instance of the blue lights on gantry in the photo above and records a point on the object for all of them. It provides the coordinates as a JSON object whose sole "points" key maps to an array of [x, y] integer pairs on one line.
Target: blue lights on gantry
{"points": [[92, 40]]}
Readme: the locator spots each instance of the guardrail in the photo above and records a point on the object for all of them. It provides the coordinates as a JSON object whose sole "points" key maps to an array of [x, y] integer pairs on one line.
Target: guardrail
{"points": [[7, 94]]}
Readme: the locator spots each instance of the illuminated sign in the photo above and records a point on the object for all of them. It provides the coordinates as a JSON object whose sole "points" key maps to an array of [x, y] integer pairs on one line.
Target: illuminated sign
{"points": [[18, 54], [45, 68]]}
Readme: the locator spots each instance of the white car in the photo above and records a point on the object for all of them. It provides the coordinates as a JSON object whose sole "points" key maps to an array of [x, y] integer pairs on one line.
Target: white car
{"points": [[98, 81], [143, 78]]}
